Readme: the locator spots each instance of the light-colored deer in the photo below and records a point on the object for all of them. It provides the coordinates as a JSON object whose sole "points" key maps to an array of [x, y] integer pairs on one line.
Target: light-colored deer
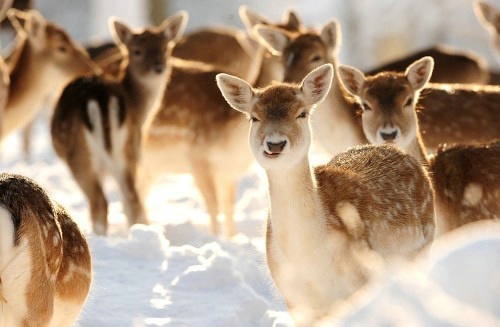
{"points": [[489, 16], [45, 263], [465, 178], [452, 113], [97, 124], [44, 60], [195, 132], [367, 198]]}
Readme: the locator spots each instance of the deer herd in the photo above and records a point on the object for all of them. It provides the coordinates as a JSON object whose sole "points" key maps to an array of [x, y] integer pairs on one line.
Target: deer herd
{"points": [[415, 149]]}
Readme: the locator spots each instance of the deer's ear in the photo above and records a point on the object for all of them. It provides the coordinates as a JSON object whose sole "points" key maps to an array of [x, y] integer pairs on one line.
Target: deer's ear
{"points": [[420, 72], [18, 19], [485, 12], [352, 79], [174, 26], [292, 21], [273, 38], [120, 31], [316, 84], [331, 36], [251, 18], [238, 93]]}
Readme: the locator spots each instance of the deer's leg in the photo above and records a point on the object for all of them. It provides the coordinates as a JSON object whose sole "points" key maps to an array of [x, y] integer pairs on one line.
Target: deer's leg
{"points": [[26, 139], [132, 203], [204, 179], [226, 194], [91, 186]]}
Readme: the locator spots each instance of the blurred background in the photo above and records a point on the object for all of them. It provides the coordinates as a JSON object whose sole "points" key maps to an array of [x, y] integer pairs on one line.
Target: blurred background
{"points": [[374, 32]]}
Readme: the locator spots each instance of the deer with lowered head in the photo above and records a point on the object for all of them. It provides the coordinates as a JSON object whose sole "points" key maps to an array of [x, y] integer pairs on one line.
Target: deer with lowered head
{"points": [[465, 178], [194, 132], [452, 113], [322, 220], [97, 124], [45, 263], [44, 59]]}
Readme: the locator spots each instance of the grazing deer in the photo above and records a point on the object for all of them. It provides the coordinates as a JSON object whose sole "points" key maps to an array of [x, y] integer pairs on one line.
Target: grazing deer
{"points": [[321, 220], [465, 178], [45, 263], [44, 60], [452, 113], [195, 132], [451, 65], [489, 16], [97, 124]]}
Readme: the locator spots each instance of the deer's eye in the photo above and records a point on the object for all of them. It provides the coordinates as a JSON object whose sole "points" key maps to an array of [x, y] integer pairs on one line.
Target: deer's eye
{"points": [[315, 58], [302, 115], [137, 52], [253, 119], [409, 102], [62, 49], [366, 106]]}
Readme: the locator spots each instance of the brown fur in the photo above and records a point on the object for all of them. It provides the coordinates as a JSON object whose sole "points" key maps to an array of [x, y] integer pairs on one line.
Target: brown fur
{"points": [[54, 243]]}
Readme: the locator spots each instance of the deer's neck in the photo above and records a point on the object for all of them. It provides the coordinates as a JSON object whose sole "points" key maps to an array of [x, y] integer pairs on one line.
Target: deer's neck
{"points": [[296, 216], [270, 69], [336, 125], [417, 149]]}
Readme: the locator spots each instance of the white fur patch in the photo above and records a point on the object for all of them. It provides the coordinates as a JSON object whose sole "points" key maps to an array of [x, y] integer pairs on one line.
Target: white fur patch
{"points": [[473, 194], [350, 216]]}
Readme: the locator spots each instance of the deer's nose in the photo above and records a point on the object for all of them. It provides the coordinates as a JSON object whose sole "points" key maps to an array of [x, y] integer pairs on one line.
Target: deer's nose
{"points": [[158, 68], [389, 136], [276, 147]]}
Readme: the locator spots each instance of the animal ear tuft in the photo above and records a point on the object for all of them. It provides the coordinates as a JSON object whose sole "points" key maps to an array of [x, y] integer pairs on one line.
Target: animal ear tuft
{"points": [[316, 84], [420, 72], [238, 93]]}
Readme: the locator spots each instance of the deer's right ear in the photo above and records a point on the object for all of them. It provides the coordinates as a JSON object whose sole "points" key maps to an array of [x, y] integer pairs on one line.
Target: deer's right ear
{"points": [[331, 36], [420, 72], [273, 38], [121, 32], [316, 84], [174, 26], [485, 13], [293, 22], [18, 19], [352, 79], [251, 18], [238, 93]]}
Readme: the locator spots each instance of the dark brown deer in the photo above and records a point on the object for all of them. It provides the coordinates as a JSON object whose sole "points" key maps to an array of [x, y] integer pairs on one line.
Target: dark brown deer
{"points": [[45, 264], [97, 124], [466, 178], [322, 220]]}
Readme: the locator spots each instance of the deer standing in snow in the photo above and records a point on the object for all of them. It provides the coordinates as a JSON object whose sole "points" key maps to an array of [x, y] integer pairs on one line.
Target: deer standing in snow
{"points": [[194, 132], [465, 178], [452, 113], [44, 59], [367, 198], [489, 16], [45, 263], [97, 124]]}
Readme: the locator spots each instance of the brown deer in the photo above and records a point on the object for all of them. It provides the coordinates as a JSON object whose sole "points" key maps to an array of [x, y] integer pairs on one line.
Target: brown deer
{"points": [[465, 178], [45, 263], [489, 16], [322, 220], [452, 113], [97, 124], [44, 60], [195, 132]]}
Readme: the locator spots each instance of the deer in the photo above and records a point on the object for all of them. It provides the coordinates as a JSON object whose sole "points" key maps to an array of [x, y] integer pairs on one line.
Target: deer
{"points": [[489, 17], [44, 59], [452, 113], [194, 132], [465, 178], [97, 126], [322, 220], [45, 262]]}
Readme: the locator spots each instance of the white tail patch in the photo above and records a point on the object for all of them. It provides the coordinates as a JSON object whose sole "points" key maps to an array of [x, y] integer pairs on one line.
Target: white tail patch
{"points": [[351, 219], [473, 195]]}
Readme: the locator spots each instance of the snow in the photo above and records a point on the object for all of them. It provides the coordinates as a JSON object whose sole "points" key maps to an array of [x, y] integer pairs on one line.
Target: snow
{"points": [[175, 273]]}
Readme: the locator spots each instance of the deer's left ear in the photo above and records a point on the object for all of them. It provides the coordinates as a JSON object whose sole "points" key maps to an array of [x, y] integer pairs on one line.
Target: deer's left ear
{"points": [[174, 26], [485, 13], [352, 79], [316, 84], [238, 93], [420, 72]]}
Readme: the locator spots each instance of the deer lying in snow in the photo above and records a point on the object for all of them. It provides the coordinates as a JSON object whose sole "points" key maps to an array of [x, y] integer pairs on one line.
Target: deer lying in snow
{"points": [[195, 132], [368, 198], [44, 59], [45, 264], [489, 16], [97, 124], [466, 178], [452, 113]]}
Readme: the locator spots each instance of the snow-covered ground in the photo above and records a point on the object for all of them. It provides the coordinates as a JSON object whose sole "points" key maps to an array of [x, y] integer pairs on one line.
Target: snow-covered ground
{"points": [[174, 273]]}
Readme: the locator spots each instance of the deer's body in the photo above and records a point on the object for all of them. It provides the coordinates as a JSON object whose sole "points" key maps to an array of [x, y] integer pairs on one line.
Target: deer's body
{"points": [[44, 59], [45, 263], [195, 132], [465, 178], [323, 221], [97, 124]]}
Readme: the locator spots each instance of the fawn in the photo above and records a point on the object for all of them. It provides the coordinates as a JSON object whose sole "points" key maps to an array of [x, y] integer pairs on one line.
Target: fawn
{"points": [[489, 16], [452, 113], [44, 60], [97, 124], [194, 132], [320, 219], [465, 178], [45, 263]]}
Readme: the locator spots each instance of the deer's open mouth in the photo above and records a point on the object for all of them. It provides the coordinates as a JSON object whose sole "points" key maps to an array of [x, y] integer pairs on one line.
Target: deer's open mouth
{"points": [[271, 154]]}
